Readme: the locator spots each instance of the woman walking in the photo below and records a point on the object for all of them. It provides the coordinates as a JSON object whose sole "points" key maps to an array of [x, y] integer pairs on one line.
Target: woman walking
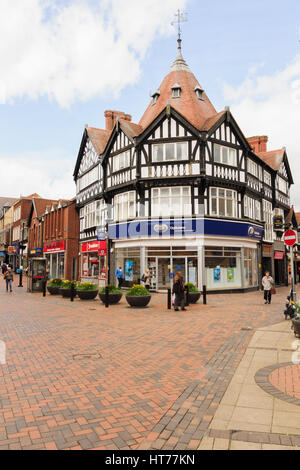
{"points": [[268, 283], [9, 277], [178, 291], [146, 279]]}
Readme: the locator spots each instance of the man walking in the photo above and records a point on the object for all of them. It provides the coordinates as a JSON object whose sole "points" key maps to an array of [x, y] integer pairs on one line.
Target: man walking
{"points": [[267, 282], [119, 274], [9, 277]]}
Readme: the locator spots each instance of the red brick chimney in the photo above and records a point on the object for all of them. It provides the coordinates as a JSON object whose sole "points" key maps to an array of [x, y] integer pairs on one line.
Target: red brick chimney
{"points": [[112, 116], [258, 143]]}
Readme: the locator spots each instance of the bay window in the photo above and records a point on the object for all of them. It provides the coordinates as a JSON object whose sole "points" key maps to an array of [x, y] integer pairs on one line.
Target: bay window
{"points": [[252, 208], [224, 155], [173, 201], [268, 219], [170, 152], [124, 206], [223, 202]]}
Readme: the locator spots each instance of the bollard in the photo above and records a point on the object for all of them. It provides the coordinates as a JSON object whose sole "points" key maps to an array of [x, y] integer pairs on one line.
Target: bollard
{"points": [[187, 303], [204, 295], [20, 278], [106, 297], [72, 292], [169, 299], [44, 287]]}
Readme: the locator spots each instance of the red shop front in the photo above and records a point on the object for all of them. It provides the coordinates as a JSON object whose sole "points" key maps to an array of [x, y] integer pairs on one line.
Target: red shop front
{"points": [[93, 261], [55, 253]]}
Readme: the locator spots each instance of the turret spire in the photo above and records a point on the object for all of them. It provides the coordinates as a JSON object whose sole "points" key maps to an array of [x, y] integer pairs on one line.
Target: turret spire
{"points": [[179, 63]]}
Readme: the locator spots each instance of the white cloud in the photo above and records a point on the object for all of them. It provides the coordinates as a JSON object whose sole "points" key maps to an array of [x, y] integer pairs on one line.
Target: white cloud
{"points": [[270, 105], [38, 173], [76, 50]]}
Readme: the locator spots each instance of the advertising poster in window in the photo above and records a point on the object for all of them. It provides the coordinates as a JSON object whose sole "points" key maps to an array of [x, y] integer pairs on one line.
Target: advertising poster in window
{"points": [[230, 275], [129, 270], [217, 275], [85, 265]]}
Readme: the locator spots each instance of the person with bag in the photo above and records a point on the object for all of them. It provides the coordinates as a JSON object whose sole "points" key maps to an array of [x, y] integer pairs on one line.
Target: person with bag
{"points": [[119, 276], [268, 285], [9, 277], [178, 291], [146, 279]]}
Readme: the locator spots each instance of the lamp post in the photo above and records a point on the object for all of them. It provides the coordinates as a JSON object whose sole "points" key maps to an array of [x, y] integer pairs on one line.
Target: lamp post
{"points": [[21, 257]]}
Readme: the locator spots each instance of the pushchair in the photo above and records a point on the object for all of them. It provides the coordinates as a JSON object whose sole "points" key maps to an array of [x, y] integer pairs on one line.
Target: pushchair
{"points": [[290, 309]]}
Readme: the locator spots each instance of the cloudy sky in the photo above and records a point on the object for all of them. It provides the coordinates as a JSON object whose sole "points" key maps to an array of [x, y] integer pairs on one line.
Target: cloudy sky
{"points": [[63, 62]]}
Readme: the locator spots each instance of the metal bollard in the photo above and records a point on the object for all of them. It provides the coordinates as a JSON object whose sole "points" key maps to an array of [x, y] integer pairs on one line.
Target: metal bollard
{"points": [[20, 278], [106, 297], [44, 288], [204, 295], [72, 292], [187, 303], [169, 299]]}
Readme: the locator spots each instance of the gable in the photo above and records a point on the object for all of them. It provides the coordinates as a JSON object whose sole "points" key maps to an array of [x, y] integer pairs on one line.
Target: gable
{"points": [[89, 157]]}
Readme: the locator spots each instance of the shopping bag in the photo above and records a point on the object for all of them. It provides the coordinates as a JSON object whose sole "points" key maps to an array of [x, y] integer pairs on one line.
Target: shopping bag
{"points": [[273, 291]]}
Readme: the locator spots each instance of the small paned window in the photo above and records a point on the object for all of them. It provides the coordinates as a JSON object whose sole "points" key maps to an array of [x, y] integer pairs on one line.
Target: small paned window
{"points": [[176, 91], [199, 93], [225, 155]]}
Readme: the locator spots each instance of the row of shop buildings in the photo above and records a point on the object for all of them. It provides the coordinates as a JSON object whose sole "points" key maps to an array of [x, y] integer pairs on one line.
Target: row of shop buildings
{"points": [[182, 190]]}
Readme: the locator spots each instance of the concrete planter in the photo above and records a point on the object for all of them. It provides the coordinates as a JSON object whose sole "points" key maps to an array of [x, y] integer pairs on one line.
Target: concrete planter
{"points": [[113, 299], [87, 294], [296, 326], [194, 297], [138, 300], [66, 293], [53, 290]]}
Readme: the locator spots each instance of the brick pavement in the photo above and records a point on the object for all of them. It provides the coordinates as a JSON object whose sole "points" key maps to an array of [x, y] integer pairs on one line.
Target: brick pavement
{"points": [[287, 380], [79, 376]]}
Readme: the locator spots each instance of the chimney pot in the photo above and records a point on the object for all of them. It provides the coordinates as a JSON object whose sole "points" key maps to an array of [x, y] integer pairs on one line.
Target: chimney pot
{"points": [[111, 118]]}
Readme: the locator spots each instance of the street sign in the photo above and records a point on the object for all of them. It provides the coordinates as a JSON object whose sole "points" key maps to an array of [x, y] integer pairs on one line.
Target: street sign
{"points": [[101, 235], [290, 237]]}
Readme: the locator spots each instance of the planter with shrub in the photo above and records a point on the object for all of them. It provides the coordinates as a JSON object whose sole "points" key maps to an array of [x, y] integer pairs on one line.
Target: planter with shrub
{"points": [[65, 289], [53, 286], [194, 294], [114, 294], [87, 291], [138, 296], [296, 320]]}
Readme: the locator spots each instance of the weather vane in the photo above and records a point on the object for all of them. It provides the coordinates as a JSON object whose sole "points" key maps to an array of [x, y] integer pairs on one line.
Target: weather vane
{"points": [[180, 18]]}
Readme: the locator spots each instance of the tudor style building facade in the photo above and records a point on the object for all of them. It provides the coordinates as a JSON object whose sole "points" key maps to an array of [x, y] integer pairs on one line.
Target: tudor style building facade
{"points": [[182, 190]]}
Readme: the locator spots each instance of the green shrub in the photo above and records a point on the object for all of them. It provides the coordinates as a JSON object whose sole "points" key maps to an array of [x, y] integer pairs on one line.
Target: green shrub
{"points": [[87, 286], [68, 284], [192, 287], [137, 290], [112, 289], [55, 282]]}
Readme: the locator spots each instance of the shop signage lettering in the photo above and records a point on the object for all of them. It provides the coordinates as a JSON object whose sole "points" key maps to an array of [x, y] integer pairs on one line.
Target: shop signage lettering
{"points": [[90, 247], [184, 227], [54, 247], [36, 252], [279, 255], [278, 222]]}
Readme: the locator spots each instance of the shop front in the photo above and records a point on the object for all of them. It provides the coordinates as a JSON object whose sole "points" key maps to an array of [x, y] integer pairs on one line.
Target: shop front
{"points": [[54, 253], [280, 264], [93, 267], [222, 262]]}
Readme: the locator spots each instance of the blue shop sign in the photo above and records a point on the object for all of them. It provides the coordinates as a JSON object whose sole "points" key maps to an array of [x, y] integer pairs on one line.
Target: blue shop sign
{"points": [[2, 253], [183, 227]]}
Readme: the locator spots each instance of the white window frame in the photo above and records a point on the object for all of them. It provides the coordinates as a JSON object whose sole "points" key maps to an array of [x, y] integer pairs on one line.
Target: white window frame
{"points": [[164, 147], [252, 168], [268, 219], [121, 161], [229, 195], [228, 155], [87, 179], [162, 201], [252, 208], [125, 206], [267, 178]]}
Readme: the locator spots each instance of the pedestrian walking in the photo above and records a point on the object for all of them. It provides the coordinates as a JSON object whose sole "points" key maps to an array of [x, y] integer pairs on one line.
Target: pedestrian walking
{"points": [[146, 279], [178, 291], [4, 268], [268, 283], [9, 277], [119, 274]]}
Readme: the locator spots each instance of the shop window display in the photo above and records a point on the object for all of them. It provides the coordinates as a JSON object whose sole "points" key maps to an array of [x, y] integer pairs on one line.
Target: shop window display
{"points": [[223, 267]]}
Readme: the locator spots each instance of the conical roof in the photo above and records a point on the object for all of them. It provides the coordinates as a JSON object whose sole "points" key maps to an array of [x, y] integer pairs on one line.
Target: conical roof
{"points": [[194, 110]]}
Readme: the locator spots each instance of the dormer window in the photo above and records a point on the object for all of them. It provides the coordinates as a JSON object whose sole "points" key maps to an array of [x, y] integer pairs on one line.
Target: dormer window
{"points": [[176, 91], [155, 97], [199, 93]]}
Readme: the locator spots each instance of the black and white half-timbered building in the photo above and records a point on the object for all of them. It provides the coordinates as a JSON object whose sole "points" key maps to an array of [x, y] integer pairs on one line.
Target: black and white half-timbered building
{"points": [[182, 190]]}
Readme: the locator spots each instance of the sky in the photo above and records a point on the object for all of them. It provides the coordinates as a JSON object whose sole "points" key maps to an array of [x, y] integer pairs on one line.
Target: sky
{"points": [[64, 62]]}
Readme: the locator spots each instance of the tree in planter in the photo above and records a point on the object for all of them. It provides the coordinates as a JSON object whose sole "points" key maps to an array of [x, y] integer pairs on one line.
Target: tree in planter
{"points": [[194, 294], [54, 286], [114, 294], [87, 291], [138, 296]]}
